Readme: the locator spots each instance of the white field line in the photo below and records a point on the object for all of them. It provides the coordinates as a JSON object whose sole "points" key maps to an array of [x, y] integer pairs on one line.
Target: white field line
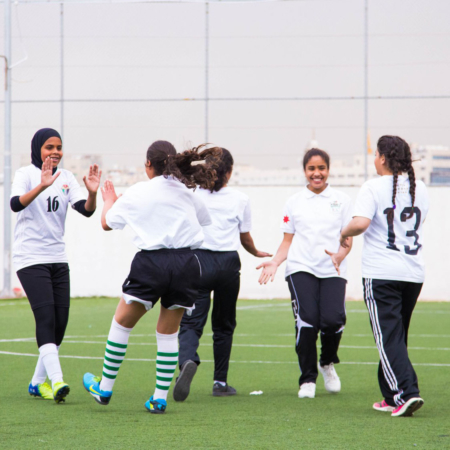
{"points": [[290, 335], [274, 306], [211, 361], [357, 347]]}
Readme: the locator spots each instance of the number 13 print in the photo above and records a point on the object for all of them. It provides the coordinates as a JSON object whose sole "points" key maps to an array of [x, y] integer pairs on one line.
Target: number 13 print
{"points": [[404, 216]]}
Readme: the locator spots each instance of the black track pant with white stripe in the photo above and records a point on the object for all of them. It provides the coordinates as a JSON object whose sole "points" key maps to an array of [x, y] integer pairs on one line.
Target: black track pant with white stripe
{"points": [[317, 304], [391, 304], [221, 274]]}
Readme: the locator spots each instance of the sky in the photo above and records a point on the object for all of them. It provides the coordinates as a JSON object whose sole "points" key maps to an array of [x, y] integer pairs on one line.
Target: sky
{"points": [[138, 53]]}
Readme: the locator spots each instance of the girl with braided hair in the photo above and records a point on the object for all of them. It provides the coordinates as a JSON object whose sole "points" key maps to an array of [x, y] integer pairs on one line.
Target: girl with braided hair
{"points": [[167, 219], [390, 211]]}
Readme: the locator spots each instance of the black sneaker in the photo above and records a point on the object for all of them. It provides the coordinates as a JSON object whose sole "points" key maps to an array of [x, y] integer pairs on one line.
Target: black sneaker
{"points": [[223, 391], [184, 380]]}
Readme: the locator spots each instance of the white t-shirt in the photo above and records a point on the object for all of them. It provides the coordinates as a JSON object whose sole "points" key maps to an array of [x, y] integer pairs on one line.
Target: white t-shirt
{"points": [[39, 231], [162, 212], [231, 215], [392, 251], [316, 221]]}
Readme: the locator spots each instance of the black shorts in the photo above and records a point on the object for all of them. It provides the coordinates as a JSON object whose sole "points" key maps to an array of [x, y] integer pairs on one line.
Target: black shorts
{"points": [[46, 284], [171, 275]]}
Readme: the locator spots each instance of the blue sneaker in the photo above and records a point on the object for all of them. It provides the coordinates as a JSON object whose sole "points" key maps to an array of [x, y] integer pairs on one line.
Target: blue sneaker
{"points": [[92, 384], [156, 406], [41, 390]]}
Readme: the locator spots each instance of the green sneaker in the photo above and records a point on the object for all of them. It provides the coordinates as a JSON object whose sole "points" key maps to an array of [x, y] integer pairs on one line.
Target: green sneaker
{"points": [[41, 390], [60, 391]]}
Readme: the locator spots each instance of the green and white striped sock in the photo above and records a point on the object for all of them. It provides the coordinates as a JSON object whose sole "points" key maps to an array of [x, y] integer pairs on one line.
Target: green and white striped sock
{"points": [[166, 363], [116, 347]]}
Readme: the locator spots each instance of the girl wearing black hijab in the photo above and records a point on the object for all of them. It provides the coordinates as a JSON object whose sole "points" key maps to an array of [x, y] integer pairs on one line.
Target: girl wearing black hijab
{"points": [[40, 195]]}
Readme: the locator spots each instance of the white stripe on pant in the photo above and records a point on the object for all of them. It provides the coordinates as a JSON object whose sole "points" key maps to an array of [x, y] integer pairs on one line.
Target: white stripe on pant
{"points": [[377, 333]]}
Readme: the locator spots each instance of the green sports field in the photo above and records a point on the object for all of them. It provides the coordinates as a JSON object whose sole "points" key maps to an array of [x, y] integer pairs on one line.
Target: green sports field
{"points": [[263, 359]]}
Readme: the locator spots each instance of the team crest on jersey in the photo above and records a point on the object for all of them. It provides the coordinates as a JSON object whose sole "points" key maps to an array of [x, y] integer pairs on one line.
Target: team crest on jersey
{"points": [[335, 206], [65, 189]]}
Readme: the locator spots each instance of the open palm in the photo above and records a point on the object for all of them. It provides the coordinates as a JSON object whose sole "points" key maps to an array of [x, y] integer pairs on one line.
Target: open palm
{"points": [[92, 181], [47, 177]]}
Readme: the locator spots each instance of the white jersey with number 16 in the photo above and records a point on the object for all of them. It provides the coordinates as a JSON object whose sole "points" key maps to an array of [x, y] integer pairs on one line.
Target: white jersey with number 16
{"points": [[392, 248]]}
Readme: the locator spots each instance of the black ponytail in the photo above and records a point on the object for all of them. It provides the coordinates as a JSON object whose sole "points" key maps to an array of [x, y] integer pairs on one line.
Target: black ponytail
{"points": [[224, 168]]}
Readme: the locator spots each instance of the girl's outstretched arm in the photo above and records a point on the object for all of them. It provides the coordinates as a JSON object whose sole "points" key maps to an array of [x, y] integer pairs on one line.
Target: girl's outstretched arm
{"points": [[109, 198], [249, 245], [270, 267], [355, 227]]}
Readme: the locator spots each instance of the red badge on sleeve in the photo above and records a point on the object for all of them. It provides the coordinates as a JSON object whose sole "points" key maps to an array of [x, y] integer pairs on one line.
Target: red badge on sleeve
{"points": [[285, 219]]}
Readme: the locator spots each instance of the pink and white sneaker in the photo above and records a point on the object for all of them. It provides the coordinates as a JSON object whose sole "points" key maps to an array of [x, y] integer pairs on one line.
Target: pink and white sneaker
{"points": [[409, 408], [383, 406]]}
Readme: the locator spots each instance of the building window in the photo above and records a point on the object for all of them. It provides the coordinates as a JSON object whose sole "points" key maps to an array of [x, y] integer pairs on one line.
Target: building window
{"points": [[441, 156], [440, 178]]}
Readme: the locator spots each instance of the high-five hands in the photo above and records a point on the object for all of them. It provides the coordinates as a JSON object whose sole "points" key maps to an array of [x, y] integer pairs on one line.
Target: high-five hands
{"points": [[108, 192], [92, 181], [47, 177]]}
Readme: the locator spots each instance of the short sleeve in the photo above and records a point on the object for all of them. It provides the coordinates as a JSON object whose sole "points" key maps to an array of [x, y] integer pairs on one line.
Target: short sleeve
{"points": [[287, 223], [245, 225], [366, 203], [347, 213], [203, 216], [20, 184], [116, 216], [75, 193]]}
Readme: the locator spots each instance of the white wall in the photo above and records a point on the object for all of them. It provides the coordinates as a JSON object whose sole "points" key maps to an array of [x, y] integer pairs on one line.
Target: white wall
{"points": [[100, 260]]}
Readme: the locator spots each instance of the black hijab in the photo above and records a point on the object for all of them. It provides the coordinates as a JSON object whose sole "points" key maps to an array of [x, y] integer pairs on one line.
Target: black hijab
{"points": [[38, 141]]}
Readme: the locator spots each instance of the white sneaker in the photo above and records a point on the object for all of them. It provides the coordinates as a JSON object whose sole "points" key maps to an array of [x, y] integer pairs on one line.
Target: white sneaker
{"points": [[331, 379], [307, 390]]}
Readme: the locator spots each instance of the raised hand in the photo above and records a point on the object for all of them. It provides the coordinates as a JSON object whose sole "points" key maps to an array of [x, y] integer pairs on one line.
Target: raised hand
{"points": [[269, 271], [92, 181], [335, 259], [108, 192], [47, 177]]}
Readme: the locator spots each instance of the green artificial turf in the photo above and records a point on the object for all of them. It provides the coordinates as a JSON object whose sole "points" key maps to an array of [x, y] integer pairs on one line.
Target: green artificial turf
{"points": [[263, 359]]}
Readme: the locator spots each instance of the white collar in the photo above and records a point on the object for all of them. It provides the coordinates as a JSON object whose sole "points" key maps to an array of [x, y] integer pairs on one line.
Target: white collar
{"points": [[310, 194]]}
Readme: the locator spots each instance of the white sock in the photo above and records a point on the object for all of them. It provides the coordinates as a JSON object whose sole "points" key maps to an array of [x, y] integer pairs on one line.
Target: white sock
{"points": [[116, 347], [222, 383], [166, 363], [40, 374], [49, 355]]}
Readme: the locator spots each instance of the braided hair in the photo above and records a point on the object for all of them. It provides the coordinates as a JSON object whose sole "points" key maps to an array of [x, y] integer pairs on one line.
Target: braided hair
{"points": [[167, 162], [399, 160]]}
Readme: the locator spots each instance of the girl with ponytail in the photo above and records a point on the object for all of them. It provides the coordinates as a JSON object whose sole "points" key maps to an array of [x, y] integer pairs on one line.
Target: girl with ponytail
{"points": [[390, 211], [231, 225], [167, 219]]}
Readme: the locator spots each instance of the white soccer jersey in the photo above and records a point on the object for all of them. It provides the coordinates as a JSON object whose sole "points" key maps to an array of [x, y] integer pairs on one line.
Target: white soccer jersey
{"points": [[392, 251], [230, 214], [39, 232], [162, 212], [316, 221]]}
